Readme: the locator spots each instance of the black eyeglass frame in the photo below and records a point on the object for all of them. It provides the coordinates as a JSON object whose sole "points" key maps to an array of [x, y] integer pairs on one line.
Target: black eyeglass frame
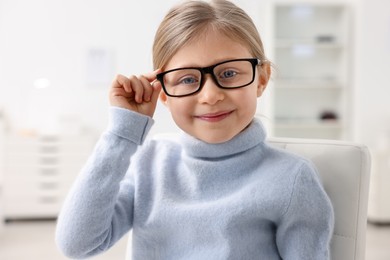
{"points": [[209, 70]]}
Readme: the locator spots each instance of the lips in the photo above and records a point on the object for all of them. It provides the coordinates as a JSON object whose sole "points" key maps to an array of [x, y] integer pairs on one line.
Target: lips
{"points": [[214, 117]]}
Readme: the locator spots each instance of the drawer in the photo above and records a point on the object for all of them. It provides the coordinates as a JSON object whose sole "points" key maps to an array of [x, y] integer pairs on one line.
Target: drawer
{"points": [[32, 209], [44, 159], [32, 185], [50, 144], [25, 188], [26, 165]]}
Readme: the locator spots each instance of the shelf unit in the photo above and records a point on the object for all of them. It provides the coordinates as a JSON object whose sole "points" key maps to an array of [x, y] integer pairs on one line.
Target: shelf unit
{"points": [[312, 59]]}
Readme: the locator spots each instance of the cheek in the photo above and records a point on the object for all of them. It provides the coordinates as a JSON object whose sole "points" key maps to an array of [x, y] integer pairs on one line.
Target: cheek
{"points": [[246, 102], [246, 96], [179, 107]]}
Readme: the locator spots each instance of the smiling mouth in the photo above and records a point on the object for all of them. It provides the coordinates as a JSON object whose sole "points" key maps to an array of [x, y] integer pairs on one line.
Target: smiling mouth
{"points": [[214, 117]]}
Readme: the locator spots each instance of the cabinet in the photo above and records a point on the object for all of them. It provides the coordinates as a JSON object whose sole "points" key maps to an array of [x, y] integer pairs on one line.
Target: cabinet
{"points": [[39, 171], [312, 59]]}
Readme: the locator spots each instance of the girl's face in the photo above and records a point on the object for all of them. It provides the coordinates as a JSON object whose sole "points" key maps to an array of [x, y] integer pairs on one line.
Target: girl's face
{"points": [[214, 115]]}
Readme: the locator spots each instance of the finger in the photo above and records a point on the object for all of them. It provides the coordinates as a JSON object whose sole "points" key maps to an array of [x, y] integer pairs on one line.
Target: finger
{"points": [[156, 91], [148, 89], [121, 81], [121, 92], [151, 76], [137, 87]]}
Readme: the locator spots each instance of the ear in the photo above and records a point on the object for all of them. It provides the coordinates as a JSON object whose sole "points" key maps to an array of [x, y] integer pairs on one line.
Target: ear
{"points": [[164, 98], [264, 76]]}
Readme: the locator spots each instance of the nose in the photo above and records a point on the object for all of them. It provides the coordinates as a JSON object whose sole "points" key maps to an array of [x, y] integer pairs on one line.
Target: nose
{"points": [[210, 92]]}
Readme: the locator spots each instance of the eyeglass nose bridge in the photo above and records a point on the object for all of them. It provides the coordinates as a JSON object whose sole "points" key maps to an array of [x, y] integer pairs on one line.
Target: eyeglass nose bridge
{"points": [[204, 72]]}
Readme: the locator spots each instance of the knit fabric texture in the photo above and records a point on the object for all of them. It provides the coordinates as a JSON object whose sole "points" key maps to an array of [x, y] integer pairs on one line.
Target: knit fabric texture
{"points": [[187, 199]]}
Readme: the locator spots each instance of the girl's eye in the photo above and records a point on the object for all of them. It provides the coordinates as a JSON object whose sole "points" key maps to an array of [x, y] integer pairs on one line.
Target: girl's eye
{"points": [[228, 74], [188, 81]]}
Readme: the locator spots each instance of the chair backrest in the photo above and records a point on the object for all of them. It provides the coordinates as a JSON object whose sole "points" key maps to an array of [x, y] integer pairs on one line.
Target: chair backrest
{"points": [[344, 169]]}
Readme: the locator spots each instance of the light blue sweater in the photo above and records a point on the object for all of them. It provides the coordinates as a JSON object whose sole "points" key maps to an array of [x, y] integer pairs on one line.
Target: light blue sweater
{"points": [[186, 199]]}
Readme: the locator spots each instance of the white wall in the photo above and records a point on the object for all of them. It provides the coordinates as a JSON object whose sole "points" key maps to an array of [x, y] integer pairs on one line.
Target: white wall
{"points": [[52, 39], [373, 73]]}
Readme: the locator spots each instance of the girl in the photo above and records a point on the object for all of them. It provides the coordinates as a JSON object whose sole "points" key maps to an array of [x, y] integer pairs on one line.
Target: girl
{"points": [[218, 191]]}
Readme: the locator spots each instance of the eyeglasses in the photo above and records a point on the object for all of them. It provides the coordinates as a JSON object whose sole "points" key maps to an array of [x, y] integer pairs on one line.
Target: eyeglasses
{"points": [[228, 74]]}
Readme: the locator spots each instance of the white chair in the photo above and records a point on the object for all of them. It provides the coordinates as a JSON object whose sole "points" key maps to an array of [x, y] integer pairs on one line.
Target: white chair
{"points": [[344, 169]]}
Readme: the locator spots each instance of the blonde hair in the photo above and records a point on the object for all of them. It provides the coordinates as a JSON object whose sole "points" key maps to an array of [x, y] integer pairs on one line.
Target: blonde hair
{"points": [[188, 20]]}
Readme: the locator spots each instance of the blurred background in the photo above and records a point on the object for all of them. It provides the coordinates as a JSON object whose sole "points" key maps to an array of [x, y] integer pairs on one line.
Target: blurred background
{"points": [[58, 58]]}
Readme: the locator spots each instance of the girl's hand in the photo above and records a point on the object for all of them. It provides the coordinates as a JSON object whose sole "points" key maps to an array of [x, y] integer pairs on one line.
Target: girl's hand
{"points": [[136, 93]]}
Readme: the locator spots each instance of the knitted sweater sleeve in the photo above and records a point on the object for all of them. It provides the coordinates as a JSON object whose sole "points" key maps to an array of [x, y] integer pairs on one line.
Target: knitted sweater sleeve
{"points": [[98, 210], [306, 228]]}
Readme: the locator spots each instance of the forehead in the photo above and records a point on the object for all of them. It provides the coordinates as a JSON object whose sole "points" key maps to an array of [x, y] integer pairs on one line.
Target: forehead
{"points": [[208, 48]]}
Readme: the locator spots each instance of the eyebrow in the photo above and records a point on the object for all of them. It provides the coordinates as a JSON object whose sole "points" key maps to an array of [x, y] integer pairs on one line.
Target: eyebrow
{"points": [[192, 65]]}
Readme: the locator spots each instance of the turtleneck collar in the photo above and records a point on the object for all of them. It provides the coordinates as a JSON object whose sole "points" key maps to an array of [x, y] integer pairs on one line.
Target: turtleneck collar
{"points": [[247, 139]]}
